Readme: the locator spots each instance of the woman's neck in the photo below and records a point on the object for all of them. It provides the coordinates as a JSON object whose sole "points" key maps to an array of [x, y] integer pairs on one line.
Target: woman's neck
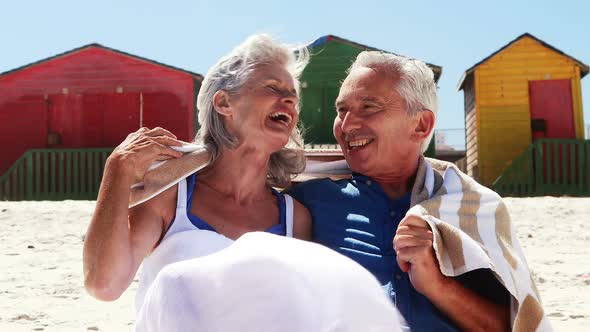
{"points": [[239, 174]]}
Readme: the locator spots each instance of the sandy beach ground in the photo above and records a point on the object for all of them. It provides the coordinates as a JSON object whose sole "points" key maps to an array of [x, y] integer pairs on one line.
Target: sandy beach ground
{"points": [[41, 283]]}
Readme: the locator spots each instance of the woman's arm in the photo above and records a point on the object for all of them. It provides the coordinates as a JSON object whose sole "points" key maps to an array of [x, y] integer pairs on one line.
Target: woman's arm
{"points": [[119, 238], [302, 224]]}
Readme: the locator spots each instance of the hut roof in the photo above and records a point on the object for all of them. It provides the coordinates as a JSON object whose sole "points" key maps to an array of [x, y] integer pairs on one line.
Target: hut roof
{"points": [[325, 39], [584, 69], [95, 45]]}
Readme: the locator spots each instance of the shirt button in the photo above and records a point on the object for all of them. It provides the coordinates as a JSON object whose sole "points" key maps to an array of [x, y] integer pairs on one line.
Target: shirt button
{"points": [[398, 276], [392, 214], [369, 182]]}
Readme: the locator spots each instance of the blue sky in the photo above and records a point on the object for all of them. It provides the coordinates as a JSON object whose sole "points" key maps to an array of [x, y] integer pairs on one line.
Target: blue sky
{"points": [[193, 34]]}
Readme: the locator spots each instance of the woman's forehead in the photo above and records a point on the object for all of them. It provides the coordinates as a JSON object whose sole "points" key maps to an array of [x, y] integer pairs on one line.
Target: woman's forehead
{"points": [[275, 72]]}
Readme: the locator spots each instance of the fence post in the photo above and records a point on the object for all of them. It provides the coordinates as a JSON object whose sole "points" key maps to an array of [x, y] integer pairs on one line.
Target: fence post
{"points": [[539, 168], [61, 193], [29, 177], [587, 167]]}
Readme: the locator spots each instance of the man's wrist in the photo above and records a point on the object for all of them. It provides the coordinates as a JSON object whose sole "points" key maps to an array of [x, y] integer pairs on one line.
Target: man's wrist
{"points": [[440, 286]]}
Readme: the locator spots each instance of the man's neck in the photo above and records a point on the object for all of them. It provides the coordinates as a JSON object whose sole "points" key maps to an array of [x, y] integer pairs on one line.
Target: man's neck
{"points": [[398, 182]]}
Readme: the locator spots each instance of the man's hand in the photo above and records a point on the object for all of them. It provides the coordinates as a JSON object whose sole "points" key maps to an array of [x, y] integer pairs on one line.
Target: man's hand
{"points": [[469, 310], [415, 255]]}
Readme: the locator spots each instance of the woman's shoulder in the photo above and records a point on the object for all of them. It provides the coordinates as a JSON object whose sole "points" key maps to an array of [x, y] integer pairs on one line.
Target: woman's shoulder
{"points": [[302, 222], [163, 205]]}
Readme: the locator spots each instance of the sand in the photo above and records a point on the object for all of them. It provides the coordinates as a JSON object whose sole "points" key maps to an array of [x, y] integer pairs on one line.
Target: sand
{"points": [[41, 284]]}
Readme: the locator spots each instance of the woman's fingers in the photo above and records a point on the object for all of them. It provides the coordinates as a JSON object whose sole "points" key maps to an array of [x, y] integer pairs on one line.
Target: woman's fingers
{"points": [[144, 147], [167, 140], [149, 149], [158, 131], [165, 150]]}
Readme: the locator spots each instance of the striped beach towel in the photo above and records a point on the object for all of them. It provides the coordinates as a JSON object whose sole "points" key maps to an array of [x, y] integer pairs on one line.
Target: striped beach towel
{"points": [[165, 174], [472, 230]]}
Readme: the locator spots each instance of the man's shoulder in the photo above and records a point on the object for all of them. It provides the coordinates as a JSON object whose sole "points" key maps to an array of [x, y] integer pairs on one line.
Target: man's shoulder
{"points": [[440, 165], [468, 184], [316, 187]]}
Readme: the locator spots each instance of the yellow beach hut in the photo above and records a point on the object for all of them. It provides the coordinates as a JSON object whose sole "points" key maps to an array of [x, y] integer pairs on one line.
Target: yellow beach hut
{"points": [[526, 91]]}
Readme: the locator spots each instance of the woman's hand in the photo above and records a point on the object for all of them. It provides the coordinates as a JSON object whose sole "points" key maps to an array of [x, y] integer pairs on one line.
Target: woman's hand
{"points": [[140, 149], [115, 243]]}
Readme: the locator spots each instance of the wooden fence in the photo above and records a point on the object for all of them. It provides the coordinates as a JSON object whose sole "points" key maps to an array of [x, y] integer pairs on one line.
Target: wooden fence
{"points": [[548, 167], [55, 174]]}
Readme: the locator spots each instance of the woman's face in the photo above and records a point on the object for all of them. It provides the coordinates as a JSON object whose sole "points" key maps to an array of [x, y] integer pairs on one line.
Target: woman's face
{"points": [[263, 113]]}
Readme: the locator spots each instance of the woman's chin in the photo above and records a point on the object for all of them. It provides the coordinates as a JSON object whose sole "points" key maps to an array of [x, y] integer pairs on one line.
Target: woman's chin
{"points": [[267, 144], [277, 140], [277, 147]]}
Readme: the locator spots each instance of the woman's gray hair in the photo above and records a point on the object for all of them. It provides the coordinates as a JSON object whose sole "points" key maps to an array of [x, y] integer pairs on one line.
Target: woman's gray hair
{"points": [[416, 81], [230, 73]]}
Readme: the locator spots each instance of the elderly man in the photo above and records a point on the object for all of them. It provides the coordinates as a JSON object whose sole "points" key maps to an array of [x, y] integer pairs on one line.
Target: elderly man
{"points": [[386, 112]]}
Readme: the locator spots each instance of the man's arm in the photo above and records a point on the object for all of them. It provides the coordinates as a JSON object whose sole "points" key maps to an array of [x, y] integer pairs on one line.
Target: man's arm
{"points": [[466, 308]]}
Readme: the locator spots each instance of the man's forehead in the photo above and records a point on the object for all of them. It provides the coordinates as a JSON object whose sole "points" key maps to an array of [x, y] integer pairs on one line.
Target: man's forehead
{"points": [[365, 84], [350, 96]]}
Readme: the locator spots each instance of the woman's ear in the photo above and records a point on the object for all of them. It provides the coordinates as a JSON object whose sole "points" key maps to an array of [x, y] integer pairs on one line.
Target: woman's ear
{"points": [[424, 125], [221, 103]]}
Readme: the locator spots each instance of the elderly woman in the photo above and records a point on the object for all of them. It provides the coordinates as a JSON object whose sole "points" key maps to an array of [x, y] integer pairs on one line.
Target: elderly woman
{"points": [[248, 112]]}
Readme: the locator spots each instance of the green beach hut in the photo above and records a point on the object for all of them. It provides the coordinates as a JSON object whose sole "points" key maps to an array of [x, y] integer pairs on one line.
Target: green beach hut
{"points": [[320, 83]]}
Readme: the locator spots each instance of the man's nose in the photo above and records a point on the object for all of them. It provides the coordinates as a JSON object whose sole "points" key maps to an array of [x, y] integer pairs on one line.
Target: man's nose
{"points": [[350, 123]]}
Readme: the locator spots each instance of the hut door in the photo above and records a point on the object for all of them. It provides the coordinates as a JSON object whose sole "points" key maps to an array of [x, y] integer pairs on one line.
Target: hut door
{"points": [[92, 126], [552, 114], [64, 120], [121, 115]]}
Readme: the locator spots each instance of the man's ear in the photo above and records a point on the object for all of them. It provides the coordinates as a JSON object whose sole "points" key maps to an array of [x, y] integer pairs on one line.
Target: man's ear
{"points": [[425, 125], [221, 103]]}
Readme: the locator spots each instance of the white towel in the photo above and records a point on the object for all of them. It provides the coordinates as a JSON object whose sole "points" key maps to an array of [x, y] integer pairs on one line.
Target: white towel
{"points": [[265, 282]]}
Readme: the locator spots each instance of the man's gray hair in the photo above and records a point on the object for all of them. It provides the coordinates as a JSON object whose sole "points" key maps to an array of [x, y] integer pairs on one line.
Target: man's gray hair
{"points": [[416, 81], [230, 73]]}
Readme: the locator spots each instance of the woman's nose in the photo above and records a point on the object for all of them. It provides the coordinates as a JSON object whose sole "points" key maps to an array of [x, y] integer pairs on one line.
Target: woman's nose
{"points": [[289, 97]]}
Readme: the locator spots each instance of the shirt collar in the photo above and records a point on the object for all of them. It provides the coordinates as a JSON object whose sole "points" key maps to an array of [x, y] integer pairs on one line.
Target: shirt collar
{"points": [[359, 177], [402, 201]]}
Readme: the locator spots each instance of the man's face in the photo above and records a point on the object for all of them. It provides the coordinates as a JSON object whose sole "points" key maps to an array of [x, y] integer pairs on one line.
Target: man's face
{"points": [[372, 125]]}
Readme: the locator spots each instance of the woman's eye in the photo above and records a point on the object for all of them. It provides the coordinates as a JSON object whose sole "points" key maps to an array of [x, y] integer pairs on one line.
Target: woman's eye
{"points": [[273, 88]]}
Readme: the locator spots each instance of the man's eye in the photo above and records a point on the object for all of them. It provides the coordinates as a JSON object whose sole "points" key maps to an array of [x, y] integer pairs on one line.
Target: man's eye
{"points": [[370, 108]]}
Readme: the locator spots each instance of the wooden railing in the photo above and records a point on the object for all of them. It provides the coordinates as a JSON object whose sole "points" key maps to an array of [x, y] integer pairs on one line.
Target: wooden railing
{"points": [[548, 167], [55, 174]]}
